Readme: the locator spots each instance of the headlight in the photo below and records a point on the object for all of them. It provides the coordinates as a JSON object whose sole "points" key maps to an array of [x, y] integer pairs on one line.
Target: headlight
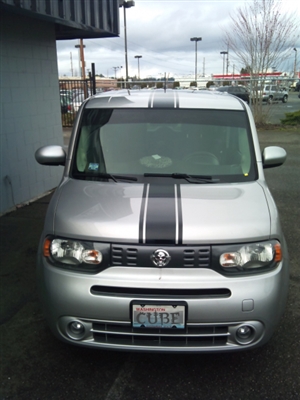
{"points": [[251, 256], [71, 252]]}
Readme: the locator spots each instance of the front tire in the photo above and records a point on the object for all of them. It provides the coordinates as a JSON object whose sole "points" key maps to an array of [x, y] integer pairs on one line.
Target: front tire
{"points": [[285, 98]]}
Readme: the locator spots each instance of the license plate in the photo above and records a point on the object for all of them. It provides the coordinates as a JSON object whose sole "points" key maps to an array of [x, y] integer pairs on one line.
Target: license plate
{"points": [[158, 316]]}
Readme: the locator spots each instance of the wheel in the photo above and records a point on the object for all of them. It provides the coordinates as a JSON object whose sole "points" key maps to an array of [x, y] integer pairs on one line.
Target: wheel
{"points": [[270, 100], [285, 98], [201, 157]]}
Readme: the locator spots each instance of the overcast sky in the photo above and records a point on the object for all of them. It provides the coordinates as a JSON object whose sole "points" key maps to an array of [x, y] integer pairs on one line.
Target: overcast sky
{"points": [[160, 31]]}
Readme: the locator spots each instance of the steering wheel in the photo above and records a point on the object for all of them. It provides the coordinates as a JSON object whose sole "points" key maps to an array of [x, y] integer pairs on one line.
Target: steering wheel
{"points": [[201, 157]]}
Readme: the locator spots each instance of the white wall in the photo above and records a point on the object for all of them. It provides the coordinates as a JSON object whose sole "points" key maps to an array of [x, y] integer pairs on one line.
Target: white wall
{"points": [[30, 108]]}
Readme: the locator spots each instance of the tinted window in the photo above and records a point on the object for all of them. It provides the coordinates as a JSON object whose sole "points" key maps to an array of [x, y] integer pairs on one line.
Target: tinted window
{"points": [[139, 141]]}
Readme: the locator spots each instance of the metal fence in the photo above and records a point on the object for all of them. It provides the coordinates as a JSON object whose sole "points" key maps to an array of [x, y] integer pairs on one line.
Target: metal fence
{"points": [[72, 94], [74, 91]]}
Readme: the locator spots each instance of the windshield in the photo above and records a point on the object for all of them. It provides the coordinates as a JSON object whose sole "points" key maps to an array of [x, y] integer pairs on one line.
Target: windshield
{"points": [[150, 142]]}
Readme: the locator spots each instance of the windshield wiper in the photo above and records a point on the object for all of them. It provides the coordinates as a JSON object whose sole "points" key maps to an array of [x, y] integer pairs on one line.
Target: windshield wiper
{"points": [[189, 178], [104, 175]]}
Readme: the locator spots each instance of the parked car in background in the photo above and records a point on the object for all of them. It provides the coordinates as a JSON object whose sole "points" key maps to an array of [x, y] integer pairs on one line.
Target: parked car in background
{"points": [[78, 99], [270, 93], [65, 92], [66, 101], [238, 91], [65, 105], [163, 235], [297, 87]]}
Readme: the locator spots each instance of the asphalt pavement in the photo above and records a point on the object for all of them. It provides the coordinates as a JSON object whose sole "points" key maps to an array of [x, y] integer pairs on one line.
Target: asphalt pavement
{"points": [[34, 365]]}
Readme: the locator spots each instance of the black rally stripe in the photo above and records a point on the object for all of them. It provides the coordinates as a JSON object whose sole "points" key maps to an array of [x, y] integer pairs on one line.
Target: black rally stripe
{"points": [[179, 215], [160, 215], [164, 99], [157, 206], [176, 100]]}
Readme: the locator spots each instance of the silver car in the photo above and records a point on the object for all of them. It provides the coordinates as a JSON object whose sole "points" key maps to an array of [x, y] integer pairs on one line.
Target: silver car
{"points": [[163, 235], [270, 93]]}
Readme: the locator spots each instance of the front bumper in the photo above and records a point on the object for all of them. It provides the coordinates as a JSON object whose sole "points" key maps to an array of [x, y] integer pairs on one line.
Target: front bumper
{"points": [[216, 307]]}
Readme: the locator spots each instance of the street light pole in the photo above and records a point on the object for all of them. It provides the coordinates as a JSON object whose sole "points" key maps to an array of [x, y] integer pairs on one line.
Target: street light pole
{"points": [[126, 4], [224, 53], [295, 63], [138, 58], [196, 40]]}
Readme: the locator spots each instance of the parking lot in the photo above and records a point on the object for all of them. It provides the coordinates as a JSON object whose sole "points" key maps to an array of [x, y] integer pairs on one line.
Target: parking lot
{"points": [[35, 365], [276, 111]]}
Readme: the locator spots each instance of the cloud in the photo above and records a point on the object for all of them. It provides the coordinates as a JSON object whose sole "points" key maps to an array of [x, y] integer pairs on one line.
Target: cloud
{"points": [[160, 31]]}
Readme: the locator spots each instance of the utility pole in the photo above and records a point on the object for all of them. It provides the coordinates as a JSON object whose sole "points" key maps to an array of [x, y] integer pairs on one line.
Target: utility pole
{"points": [[295, 63], [227, 64], [71, 64], [116, 68], [82, 59], [81, 46]]}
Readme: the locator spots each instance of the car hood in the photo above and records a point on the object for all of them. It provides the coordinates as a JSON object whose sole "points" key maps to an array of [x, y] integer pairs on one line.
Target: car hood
{"points": [[160, 214]]}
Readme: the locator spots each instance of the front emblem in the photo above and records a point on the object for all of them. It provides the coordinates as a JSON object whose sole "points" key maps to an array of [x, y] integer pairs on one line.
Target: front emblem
{"points": [[160, 258]]}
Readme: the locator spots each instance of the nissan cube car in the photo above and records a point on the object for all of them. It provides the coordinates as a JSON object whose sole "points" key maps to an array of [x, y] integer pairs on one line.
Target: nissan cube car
{"points": [[163, 235]]}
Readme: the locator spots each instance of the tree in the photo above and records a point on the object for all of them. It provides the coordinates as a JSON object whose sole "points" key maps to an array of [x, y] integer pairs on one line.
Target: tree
{"points": [[246, 70], [261, 37], [209, 84]]}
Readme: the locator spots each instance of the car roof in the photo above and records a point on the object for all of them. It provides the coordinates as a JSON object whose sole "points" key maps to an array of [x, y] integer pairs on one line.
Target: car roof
{"points": [[199, 99]]}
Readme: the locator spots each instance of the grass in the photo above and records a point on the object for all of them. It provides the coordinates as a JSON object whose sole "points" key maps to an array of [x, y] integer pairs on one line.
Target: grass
{"points": [[292, 118], [290, 123], [278, 127]]}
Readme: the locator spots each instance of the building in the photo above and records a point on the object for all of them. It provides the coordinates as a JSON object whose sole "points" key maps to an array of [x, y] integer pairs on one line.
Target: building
{"points": [[30, 102], [283, 78]]}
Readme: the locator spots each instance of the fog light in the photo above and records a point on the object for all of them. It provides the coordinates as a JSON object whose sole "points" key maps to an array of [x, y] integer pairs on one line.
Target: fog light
{"points": [[76, 330], [76, 327], [244, 332]]}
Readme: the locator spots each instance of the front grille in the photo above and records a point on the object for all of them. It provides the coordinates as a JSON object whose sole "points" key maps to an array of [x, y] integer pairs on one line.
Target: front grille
{"points": [[197, 257], [124, 256], [181, 256], [192, 336]]}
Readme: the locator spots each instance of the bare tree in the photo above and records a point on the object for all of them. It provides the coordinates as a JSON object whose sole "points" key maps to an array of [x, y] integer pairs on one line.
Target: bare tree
{"points": [[261, 37]]}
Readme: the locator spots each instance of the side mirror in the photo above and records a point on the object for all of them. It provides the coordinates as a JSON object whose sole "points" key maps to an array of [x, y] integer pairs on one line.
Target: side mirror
{"points": [[273, 156], [50, 155]]}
